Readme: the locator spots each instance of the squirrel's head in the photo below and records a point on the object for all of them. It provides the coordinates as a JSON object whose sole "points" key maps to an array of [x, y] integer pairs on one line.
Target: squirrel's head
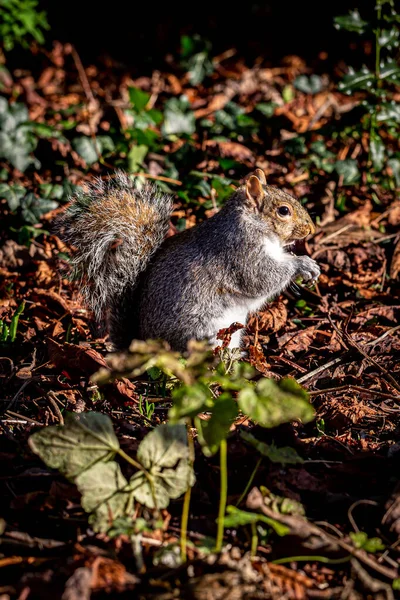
{"points": [[281, 213]]}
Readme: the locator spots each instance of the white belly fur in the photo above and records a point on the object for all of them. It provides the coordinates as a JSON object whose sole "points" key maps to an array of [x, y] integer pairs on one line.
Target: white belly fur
{"points": [[240, 312], [237, 314]]}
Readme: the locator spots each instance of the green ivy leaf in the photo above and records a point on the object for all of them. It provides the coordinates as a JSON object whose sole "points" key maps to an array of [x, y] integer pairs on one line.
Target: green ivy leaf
{"points": [[90, 149], [13, 194], [138, 98], [377, 148], [308, 85], [212, 431], [178, 118], [105, 494], [33, 207], [272, 403], [394, 164], [136, 157], [199, 66], [266, 108], [349, 170], [84, 440], [164, 454]]}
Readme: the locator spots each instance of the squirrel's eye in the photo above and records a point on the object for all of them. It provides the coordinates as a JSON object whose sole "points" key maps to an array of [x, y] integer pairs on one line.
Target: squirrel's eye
{"points": [[284, 211]]}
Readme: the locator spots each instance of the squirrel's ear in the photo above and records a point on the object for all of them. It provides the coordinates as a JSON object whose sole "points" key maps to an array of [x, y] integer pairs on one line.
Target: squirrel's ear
{"points": [[254, 189], [261, 176]]}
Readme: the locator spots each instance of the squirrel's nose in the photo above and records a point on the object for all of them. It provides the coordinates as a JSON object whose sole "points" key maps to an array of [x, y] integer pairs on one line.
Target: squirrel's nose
{"points": [[312, 228]]}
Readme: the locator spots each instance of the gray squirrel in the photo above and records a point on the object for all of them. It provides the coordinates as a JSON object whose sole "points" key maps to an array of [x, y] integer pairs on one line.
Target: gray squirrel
{"points": [[190, 285]]}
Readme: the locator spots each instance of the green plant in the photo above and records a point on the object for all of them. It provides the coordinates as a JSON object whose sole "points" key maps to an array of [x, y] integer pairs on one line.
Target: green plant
{"points": [[83, 450], [21, 22], [380, 113], [8, 333], [202, 383]]}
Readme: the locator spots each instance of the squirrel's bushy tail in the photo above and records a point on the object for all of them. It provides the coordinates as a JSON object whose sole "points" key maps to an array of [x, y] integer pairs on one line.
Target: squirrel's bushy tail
{"points": [[115, 228]]}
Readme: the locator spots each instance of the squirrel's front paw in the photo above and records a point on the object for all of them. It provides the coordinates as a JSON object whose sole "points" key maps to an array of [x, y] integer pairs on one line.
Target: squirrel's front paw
{"points": [[307, 268]]}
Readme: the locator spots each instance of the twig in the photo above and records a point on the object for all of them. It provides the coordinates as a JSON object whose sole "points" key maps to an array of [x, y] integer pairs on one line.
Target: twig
{"points": [[148, 176], [382, 337], [82, 75], [23, 417], [353, 506], [53, 401], [371, 585], [21, 389], [322, 368], [349, 340], [356, 388], [158, 177]]}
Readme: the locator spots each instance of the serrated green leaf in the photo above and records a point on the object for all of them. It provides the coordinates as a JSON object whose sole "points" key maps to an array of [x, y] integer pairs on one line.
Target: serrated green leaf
{"points": [[390, 71], [351, 22], [84, 440], [360, 80], [272, 403], [105, 494], [389, 111], [164, 454]]}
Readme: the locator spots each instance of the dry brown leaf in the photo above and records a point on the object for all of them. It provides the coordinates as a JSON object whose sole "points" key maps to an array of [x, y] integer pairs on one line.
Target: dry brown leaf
{"points": [[231, 150], [270, 319], [395, 264], [298, 341]]}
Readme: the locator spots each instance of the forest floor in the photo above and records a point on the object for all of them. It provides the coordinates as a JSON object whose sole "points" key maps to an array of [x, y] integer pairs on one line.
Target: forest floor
{"points": [[340, 340]]}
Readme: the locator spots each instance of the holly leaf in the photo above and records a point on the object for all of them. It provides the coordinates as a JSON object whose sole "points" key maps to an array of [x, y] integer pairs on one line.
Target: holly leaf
{"points": [[84, 440]]}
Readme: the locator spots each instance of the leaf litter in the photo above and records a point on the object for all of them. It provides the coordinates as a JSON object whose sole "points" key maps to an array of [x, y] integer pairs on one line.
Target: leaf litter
{"points": [[341, 341]]}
